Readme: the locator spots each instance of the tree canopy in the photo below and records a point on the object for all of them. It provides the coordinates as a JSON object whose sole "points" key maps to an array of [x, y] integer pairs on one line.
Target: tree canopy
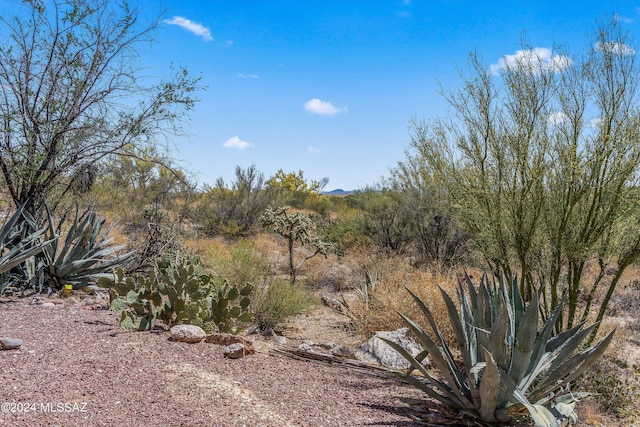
{"points": [[72, 93]]}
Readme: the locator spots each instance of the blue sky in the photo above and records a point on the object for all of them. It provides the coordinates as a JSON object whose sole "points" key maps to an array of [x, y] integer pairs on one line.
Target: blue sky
{"points": [[329, 87]]}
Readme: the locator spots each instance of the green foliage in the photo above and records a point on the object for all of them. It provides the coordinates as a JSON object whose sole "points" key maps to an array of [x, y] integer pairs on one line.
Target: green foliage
{"points": [[541, 189], [275, 302], [233, 211], [177, 292], [292, 189], [90, 99], [297, 227], [509, 368], [231, 307], [616, 391], [18, 245], [156, 213], [85, 254]]}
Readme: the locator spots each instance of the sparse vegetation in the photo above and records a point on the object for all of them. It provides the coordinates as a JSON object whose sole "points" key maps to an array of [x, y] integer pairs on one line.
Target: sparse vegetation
{"points": [[520, 184]]}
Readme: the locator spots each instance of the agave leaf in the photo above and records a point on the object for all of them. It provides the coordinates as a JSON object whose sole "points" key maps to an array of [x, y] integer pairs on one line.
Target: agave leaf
{"points": [[449, 397], [459, 330], [543, 338], [457, 375], [562, 337], [444, 362], [525, 339], [489, 388], [572, 368], [497, 339]]}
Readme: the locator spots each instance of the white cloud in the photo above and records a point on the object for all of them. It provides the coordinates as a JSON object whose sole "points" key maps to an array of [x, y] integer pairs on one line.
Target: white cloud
{"points": [[558, 118], [615, 48], [323, 107], [595, 123], [248, 76], [237, 144], [193, 27], [311, 149], [538, 60]]}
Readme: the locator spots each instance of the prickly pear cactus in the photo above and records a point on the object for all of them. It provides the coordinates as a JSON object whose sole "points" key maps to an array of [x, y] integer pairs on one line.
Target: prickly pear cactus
{"points": [[177, 292], [230, 307]]}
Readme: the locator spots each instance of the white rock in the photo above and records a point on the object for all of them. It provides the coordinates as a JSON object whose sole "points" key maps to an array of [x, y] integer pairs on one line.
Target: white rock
{"points": [[10, 343], [279, 339], [187, 333], [377, 351]]}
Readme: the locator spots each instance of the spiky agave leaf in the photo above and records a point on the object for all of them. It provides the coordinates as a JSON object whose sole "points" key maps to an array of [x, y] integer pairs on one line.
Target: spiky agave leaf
{"points": [[508, 364]]}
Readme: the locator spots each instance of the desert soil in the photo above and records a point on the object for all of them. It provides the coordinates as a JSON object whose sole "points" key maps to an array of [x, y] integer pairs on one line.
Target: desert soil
{"points": [[76, 367]]}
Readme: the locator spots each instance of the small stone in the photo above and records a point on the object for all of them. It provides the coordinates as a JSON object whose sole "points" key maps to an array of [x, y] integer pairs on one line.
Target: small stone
{"points": [[47, 304], [88, 301], [342, 351], [188, 333], [304, 347], [10, 343], [234, 351], [57, 301], [328, 345], [72, 301], [221, 338], [279, 339]]}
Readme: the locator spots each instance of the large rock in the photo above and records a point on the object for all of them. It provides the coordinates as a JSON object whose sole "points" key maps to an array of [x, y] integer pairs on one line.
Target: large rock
{"points": [[377, 351], [187, 333], [7, 343]]}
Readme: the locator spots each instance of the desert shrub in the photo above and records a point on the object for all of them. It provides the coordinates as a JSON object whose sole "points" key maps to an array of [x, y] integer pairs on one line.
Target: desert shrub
{"points": [[616, 388], [378, 301], [233, 210], [272, 304]]}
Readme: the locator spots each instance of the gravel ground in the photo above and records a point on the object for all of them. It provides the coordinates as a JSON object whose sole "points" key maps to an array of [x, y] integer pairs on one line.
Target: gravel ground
{"points": [[76, 367]]}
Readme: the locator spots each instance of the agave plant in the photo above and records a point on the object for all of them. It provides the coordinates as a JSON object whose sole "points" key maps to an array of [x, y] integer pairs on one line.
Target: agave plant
{"points": [[17, 245], [85, 254], [509, 368]]}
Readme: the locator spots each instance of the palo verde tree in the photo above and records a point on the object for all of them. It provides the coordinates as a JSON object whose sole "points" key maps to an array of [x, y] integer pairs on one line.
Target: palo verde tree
{"points": [[296, 227], [541, 161], [71, 93]]}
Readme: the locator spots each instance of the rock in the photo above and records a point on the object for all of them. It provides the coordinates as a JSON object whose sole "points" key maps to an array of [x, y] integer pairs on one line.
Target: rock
{"points": [[88, 301], [342, 351], [279, 339], [331, 302], [47, 304], [377, 351], [57, 301], [228, 339], [305, 347], [252, 330], [10, 343], [235, 351], [187, 333]]}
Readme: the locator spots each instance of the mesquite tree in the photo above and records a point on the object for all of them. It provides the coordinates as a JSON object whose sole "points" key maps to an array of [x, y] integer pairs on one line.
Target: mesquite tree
{"points": [[71, 93]]}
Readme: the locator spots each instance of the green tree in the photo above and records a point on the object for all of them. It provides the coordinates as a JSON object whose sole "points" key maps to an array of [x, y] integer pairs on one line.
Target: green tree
{"points": [[71, 94], [296, 227], [542, 187], [234, 210], [294, 190]]}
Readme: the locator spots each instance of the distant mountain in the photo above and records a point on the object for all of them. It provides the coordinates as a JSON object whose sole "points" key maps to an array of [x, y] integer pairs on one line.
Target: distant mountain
{"points": [[338, 192]]}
